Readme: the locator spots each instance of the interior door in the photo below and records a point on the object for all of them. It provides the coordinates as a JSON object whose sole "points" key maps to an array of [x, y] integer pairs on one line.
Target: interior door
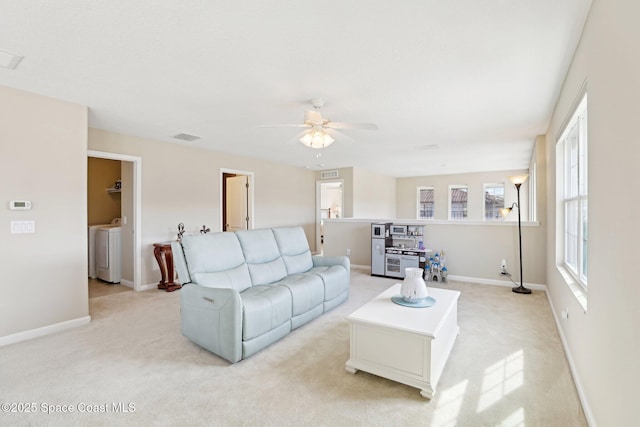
{"points": [[329, 204], [237, 203]]}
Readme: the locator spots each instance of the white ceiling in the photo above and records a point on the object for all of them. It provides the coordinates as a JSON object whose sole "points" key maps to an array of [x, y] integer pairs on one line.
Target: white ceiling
{"points": [[479, 79]]}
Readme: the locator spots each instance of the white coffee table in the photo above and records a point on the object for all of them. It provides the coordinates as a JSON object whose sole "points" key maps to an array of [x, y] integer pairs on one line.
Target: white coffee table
{"points": [[404, 344]]}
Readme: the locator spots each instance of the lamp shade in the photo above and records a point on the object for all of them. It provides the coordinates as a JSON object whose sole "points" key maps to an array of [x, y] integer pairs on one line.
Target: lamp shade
{"points": [[505, 211], [518, 179], [317, 138]]}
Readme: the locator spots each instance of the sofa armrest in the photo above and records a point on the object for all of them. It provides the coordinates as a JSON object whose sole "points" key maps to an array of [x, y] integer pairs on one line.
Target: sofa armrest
{"points": [[212, 318], [180, 263], [320, 261]]}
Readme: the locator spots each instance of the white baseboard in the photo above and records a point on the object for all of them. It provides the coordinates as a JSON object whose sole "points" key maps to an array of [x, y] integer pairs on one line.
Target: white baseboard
{"points": [[127, 283], [591, 421], [45, 330], [506, 283], [496, 282], [148, 287]]}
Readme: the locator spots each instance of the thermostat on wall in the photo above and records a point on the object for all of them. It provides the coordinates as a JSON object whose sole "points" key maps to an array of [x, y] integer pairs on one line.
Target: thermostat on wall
{"points": [[20, 205]]}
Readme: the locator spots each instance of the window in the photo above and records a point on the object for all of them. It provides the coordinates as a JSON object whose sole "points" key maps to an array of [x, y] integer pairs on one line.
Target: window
{"points": [[425, 202], [458, 202], [571, 157], [533, 191], [493, 201]]}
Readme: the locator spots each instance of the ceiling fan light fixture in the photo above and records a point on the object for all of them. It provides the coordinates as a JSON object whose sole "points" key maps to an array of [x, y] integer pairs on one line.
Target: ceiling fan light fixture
{"points": [[317, 139]]}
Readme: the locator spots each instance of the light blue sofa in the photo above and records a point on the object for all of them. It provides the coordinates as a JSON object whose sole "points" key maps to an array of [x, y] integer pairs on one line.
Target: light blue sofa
{"points": [[245, 290]]}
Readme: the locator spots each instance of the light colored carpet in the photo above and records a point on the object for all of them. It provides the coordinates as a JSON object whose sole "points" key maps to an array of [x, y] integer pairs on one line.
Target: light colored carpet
{"points": [[507, 368], [98, 288]]}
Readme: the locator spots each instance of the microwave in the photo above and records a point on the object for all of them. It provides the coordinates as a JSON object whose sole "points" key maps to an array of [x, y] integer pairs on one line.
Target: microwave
{"points": [[399, 230], [380, 230]]}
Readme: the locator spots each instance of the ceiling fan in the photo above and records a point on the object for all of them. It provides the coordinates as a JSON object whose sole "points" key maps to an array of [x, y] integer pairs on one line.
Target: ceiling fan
{"points": [[319, 129]]}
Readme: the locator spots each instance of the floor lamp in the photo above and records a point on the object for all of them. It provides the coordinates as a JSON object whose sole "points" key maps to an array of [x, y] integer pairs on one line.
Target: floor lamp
{"points": [[518, 181]]}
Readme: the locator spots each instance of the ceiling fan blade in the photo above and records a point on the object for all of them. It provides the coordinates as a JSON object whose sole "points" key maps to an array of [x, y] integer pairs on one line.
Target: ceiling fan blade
{"points": [[366, 126], [339, 136], [285, 126]]}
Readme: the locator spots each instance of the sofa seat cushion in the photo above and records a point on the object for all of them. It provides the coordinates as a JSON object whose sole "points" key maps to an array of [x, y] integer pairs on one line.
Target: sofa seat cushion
{"points": [[264, 308], [294, 248], [307, 291], [335, 278], [216, 260], [262, 256]]}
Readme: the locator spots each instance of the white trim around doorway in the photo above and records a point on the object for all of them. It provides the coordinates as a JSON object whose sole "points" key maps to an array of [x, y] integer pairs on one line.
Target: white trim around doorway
{"points": [[137, 209], [251, 193]]}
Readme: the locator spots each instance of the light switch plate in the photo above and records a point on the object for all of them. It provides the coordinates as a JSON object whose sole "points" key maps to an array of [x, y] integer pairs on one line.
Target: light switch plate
{"points": [[23, 227]]}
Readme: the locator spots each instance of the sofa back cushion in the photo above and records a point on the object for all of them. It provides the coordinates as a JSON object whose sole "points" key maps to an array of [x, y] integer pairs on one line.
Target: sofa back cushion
{"points": [[262, 256], [294, 248], [216, 260]]}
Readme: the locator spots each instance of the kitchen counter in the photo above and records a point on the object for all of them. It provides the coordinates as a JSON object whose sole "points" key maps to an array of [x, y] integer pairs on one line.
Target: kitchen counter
{"points": [[398, 248]]}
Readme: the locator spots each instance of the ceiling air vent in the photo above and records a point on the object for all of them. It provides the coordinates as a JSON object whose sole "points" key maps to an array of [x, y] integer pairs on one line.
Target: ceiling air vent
{"points": [[9, 60], [329, 174], [186, 137]]}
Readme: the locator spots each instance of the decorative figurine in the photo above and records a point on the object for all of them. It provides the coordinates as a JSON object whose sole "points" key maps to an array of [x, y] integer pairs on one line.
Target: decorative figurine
{"points": [[180, 231], [204, 230], [437, 272]]}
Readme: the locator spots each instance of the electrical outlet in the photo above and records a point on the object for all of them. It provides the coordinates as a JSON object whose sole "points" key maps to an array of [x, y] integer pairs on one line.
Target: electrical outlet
{"points": [[348, 251]]}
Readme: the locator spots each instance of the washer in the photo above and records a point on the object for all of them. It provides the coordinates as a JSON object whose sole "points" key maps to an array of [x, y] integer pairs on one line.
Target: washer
{"points": [[108, 253], [91, 249]]}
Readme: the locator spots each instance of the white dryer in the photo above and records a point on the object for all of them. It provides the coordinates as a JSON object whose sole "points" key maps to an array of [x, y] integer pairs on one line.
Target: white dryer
{"points": [[91, 250], [108, 253]]}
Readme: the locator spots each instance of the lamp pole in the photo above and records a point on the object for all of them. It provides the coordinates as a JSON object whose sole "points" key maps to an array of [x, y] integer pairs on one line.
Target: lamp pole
{"points": [[520, 289]]}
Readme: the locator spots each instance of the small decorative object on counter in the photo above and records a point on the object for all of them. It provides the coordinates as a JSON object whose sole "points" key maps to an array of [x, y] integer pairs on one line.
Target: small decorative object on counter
{"points": [[413, 289], [204, 230], [180, 231], [444, 274]]}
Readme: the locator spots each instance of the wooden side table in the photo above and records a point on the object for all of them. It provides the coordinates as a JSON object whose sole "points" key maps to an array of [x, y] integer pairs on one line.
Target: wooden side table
{"points": [[164, 256]]}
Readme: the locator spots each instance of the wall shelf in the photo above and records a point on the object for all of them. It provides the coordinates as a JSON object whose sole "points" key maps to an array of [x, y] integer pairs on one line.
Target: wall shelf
{"points": [[116, 188]]}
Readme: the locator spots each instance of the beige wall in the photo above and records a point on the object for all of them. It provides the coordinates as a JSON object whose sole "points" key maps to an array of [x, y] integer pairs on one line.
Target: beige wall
{"points": [[367, 194], [473, 250], [407, 196], [604, 341], [182, 184], [44, 159], [102, 206], [373, 195]]}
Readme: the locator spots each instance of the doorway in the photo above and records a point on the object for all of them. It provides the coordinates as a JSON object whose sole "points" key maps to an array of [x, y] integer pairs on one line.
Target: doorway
{"points": [[330, 205], [237, 200], [130, 221]]}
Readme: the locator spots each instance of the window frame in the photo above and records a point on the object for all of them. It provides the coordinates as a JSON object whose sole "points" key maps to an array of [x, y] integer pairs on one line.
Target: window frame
{"points": [[498, 217], [418, 200], [572, 194], [465, 216]]}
